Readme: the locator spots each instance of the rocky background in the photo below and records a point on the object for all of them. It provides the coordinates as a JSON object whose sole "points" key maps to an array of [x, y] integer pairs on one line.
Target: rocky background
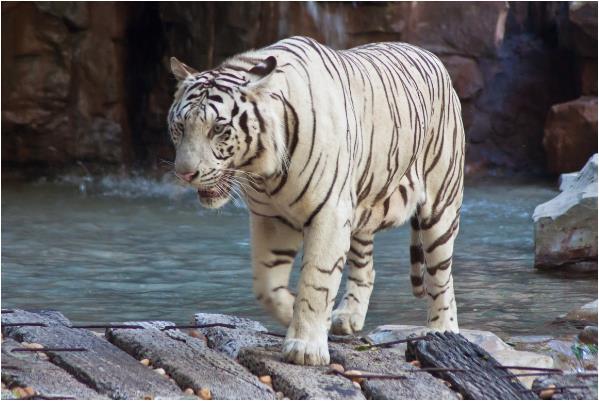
{"points": [[88, 83]]}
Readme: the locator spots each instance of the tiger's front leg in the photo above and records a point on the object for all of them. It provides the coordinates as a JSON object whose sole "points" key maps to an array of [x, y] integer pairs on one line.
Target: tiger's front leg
{"points": [[274, 246], [326, 242]]}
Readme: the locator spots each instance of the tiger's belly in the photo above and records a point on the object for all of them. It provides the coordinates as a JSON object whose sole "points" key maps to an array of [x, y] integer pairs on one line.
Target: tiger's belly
{"points": [[392, 211]]}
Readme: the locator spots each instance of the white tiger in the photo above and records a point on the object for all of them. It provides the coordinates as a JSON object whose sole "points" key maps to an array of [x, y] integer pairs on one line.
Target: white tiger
{"points": [[328, 147]]}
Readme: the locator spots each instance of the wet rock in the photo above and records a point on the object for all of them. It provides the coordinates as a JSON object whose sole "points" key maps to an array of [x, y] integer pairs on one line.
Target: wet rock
{"points": [[588, 335], [568, 387], [561, 350], [566, 226], [571, 134], [586, 313], [490, 342]]}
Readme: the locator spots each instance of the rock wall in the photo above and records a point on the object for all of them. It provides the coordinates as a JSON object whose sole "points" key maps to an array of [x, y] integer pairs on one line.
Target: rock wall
{"points": [[89, 82]]}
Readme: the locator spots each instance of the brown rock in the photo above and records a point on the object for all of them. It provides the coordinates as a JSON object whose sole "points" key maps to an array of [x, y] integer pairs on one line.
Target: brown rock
{"points": [[571, 134], [588, 77], [465, 75], [440, 27]]}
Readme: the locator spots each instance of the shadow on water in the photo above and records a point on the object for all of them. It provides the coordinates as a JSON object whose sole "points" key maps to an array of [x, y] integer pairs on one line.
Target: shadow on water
{"points": [[126, 249]]}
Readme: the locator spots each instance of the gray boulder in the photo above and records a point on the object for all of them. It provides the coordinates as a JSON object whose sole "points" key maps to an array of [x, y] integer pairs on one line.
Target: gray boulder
{"points": [[566, 226]]}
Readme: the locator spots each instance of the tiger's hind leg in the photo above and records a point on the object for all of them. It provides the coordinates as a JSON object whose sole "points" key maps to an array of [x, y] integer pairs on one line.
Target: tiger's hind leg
{"points": [[350, 314], [438, 233]]}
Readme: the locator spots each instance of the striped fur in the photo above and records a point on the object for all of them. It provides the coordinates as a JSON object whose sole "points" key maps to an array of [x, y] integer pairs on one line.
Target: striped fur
{"points": [[329, 147]]}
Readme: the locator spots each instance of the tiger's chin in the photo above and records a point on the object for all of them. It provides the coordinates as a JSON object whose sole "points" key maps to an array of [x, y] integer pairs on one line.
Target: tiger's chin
{"points": [[212, 199]]}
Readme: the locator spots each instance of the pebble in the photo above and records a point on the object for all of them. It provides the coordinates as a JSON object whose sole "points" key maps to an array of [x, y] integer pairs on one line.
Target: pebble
{"points": [[415, 363], [355, 373], [33, 345], [460, 396], [357, 385], [160, 371], [548, 392], [30, 391], [204, 393], [197, 334], [266, 380], [337, 367], [188, 391], [279, 395], [145, 362]]}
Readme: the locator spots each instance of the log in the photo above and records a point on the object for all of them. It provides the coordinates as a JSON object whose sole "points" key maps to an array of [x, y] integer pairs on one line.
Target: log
{"points": [[415, 386], [189, 361], [568, 386], [48, 380], [105, 368], [298, 382], [483, 378], [248, 333]]}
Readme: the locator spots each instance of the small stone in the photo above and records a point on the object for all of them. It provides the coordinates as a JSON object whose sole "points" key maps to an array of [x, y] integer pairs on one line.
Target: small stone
{"points": [[188, 391], [416, 363], [197, 334], [148, 397], [160, 371], [460, 396], [357, 385], [266, 380], [204, 393], [337, 367], [19, 392], [354, 373], [145, 362], [33, 345], [29, 390], [448, 384], [548, 392], [43, 356], [279, 395]]}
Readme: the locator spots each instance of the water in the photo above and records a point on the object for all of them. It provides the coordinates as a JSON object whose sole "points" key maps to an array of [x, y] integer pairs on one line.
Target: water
{"points": [[135, 249]]}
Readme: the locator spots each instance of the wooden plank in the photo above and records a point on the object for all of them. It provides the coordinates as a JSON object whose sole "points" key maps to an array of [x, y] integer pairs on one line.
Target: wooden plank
{"points": [[483, 377], [298, 382], [190, 362], [415, 385], [567, 387], [29, 369], [105, 368]]}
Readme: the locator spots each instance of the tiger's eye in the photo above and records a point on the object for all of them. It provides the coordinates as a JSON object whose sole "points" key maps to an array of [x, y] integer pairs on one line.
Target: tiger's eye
{"points": [[217, 129]]}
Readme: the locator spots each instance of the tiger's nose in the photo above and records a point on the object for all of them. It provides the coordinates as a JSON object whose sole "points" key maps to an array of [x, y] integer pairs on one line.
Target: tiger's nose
{"points": [[188, 177]]}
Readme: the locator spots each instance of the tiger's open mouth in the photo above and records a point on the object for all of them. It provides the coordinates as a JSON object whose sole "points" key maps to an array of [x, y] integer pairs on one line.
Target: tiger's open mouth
{"points": [[214, 195]]}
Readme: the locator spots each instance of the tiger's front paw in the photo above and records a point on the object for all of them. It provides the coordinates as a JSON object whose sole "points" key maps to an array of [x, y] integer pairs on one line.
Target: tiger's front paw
{"points": [[308, 351], [347, 322]]}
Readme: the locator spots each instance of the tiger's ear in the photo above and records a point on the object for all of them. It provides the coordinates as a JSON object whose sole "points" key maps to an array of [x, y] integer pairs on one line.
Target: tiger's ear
{"points": [[181, 70], [260, 73]]}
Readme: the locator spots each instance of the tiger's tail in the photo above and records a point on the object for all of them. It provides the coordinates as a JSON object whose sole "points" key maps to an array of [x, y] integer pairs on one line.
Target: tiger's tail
{"points": [[416, 259]]}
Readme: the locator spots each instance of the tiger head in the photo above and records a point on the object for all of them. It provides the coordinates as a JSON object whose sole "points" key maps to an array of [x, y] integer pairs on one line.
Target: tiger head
{"points": [[224, 123]]}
